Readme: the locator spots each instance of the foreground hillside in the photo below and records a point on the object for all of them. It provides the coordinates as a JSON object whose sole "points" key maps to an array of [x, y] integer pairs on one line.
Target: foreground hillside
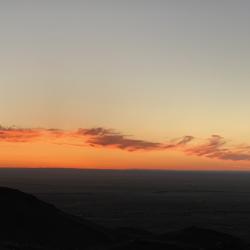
{"points": [[29, 223]]}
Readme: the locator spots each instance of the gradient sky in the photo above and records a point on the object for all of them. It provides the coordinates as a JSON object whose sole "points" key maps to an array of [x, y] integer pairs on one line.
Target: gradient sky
{"points": [[142, 72]]}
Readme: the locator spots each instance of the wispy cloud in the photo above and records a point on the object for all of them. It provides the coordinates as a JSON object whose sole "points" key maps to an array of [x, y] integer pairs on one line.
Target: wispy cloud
{"points": [[14, 134], [214, 147], [213, 144], [107, 137], [180, 143], [110, 138], [217, 147]]}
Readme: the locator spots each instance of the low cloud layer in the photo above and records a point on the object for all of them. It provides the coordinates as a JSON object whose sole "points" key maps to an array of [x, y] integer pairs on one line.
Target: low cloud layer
{"points": [[13, 134], [107, 137], [16, 134], [215, 147]]}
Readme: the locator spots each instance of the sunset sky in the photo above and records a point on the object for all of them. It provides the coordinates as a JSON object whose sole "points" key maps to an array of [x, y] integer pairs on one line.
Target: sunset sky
{"points": [[125, 84]]}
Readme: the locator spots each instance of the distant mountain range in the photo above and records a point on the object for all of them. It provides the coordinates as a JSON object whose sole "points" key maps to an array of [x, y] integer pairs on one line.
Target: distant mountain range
{"points": [[29, 223]]}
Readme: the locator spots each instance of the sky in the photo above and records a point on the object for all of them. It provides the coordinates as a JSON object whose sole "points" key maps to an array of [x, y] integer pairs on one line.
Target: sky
{"points": [[125, 84]]}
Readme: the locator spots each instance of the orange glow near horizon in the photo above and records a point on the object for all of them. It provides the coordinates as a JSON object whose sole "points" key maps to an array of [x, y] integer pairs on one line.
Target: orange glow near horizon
{"points": [[101, 148]]}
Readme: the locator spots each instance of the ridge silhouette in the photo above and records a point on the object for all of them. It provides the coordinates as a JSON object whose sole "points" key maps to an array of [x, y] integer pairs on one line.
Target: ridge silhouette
{"points": [[28, 220]]}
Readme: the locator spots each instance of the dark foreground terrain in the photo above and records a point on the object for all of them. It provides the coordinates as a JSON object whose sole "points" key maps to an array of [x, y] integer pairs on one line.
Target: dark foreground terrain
{"points": [[29, 223], [156, 201]]}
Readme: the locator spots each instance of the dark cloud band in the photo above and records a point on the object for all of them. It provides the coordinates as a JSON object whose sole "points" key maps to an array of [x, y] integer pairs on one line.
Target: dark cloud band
{"points": [[215, 147]]}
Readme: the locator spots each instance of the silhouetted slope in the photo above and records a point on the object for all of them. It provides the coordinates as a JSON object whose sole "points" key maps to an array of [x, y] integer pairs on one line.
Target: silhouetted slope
{"points": [[27, 220]]}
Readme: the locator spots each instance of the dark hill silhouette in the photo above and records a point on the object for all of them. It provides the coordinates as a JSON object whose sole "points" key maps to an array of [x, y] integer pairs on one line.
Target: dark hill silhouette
{"points": [[27, 220], [30, 224]]}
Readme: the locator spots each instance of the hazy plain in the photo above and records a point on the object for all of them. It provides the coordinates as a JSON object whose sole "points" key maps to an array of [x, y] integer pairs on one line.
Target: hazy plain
{"points": [[159, 201]]}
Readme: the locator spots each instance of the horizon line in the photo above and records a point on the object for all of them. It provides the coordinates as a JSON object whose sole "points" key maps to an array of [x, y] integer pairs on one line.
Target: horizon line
{"points": [[125, 169]]}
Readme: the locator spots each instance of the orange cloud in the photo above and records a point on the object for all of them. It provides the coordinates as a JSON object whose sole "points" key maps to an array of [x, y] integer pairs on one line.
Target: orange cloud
{"points": [[109, 138], [13, 134], [215, 147]]}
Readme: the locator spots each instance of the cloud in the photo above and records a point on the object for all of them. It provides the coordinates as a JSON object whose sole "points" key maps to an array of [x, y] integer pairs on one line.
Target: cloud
{"points": [[95, 131], [185, 140], [108, 137], [214, 147], [181, 143], [235, 156], [14, 134]]}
